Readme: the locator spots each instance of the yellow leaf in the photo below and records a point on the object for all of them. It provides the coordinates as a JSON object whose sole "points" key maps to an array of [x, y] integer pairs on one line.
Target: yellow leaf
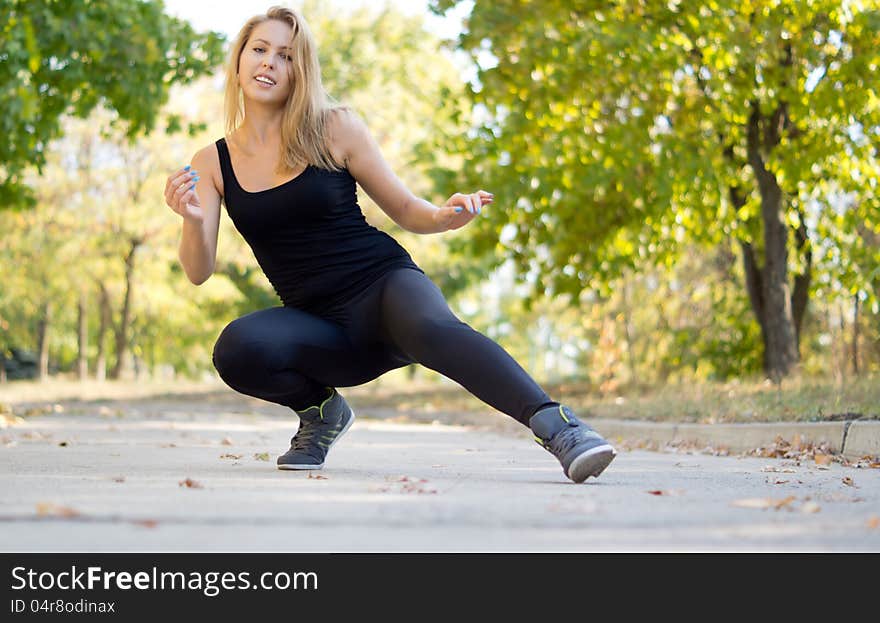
{"points": [[763, 502]]}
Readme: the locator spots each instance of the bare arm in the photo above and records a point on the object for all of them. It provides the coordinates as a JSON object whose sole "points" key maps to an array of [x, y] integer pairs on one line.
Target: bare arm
{"points": [[367, 165], [194, 196]]}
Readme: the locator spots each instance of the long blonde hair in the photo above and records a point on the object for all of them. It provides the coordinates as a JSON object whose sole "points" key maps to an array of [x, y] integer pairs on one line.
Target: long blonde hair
{"points": [[303, 126]]}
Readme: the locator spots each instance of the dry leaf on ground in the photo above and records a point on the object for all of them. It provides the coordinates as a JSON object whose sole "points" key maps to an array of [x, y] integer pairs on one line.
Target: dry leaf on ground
{"points": [[48, 509], [190, 483], [763, 502], [261, 456], [773, 468], [317, 476], [822, 459], [231, 456], [848, 481], [227, 441], [810, 507], [873, 522]]}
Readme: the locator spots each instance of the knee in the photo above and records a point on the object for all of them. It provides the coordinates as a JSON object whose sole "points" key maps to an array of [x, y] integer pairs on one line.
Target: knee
{"points": [[234, 354], [425, 335]]}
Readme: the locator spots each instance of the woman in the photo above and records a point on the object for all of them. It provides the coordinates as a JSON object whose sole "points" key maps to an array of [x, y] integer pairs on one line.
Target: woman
{"points": [[355, 305]]}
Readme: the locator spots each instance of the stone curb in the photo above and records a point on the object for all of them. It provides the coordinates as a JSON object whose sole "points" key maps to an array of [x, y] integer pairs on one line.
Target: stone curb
{"points": [[852, 439]]}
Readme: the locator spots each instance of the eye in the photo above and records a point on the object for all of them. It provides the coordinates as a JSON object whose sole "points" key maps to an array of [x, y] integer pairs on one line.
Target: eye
{"points": [[258, 49]]}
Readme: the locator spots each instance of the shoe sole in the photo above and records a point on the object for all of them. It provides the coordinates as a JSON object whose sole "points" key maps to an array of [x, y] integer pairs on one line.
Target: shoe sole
{"points": [[591, 463], [293, 466]]}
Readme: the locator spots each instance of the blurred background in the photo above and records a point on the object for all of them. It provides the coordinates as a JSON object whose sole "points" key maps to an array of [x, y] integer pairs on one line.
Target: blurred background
{"points": [[686, 221]]}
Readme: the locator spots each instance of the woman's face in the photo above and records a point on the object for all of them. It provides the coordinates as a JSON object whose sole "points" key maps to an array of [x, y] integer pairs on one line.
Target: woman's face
{"points": [[266, 55]]}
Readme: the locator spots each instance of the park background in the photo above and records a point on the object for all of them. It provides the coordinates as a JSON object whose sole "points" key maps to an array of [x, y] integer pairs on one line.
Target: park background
{"points": [[686, 222]]}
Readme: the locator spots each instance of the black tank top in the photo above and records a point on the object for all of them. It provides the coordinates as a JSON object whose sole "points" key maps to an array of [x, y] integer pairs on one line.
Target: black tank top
{"points": [[310, 236]]}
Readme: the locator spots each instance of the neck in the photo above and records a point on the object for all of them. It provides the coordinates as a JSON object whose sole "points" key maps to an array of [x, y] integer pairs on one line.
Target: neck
{"points": [[261, 126]]}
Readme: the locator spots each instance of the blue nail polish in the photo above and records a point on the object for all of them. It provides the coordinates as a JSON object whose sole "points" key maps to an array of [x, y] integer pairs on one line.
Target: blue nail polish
{"points": [[458, 209], [193, 187], [187, 168]]}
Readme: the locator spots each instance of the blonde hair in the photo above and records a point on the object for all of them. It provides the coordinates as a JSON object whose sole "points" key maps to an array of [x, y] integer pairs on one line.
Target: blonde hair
{"points": [[303, 127]]}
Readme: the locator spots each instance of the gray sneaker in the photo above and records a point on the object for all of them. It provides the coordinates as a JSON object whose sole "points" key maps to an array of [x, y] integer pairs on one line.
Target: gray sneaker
{"points": [[320, 427], [581, 450]]}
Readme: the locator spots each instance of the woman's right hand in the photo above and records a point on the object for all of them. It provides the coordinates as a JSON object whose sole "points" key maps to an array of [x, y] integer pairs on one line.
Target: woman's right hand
{"points": [[181, 196]]}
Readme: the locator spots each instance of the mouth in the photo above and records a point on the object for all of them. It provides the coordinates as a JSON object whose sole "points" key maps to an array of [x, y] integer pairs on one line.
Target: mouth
{"points": [[265, 81]]}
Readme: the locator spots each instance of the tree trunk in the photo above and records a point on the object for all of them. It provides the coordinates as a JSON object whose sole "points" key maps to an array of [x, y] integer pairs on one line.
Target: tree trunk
{"points": [[627, 331], [103, 327], [855, 339], [778, 326], [801, 294], [43, 341], [125, 317], [842, 341], [82, 338]]}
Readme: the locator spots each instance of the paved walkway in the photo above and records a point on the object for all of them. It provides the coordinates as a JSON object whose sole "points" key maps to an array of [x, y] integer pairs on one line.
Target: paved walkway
{"points": [[190, 481]]}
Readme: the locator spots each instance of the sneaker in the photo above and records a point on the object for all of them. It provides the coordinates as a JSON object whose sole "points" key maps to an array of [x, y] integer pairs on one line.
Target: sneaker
{"points": [[581, 450], [320, 427]]}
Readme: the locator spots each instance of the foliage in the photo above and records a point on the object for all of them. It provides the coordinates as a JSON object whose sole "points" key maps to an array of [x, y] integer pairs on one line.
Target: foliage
{"points": [[61, 58], [612, 133]]}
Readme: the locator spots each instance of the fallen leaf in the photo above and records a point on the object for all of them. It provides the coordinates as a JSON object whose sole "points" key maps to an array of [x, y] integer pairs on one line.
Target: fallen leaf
{"points": [[261, 456], [146, 523], [656, 492], [62, 444], [231, 456], [54, 510], [780, 482], [822, 459], [317, 476], [763, 502], [189, 482], [848, 481], [226, 441], [810, 507], [873, 522]]}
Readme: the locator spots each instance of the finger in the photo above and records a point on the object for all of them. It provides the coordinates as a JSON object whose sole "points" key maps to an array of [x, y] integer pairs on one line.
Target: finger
{"points": [[184, 177], [185, 199], [180, 193], [187, 182], [478, 204], [177, 175]]}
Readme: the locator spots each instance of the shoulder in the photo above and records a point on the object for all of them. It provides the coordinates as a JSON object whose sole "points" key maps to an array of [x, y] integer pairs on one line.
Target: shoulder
{"points": [[345, 131], [207, 162]]}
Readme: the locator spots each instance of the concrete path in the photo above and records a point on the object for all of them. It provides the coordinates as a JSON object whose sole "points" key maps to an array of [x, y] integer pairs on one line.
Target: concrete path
{"points": [[184, 481]]}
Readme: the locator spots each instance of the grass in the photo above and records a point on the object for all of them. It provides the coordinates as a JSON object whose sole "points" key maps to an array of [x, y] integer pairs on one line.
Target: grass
{"points": [[803, 399], [795, 400]]}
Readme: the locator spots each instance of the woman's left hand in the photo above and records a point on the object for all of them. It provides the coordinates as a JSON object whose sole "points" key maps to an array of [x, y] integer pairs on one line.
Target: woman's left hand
{"points": [[461, 209]]}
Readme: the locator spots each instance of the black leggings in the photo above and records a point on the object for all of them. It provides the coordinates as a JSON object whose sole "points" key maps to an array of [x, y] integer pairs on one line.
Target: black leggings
{"points": [[288, 356]]}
